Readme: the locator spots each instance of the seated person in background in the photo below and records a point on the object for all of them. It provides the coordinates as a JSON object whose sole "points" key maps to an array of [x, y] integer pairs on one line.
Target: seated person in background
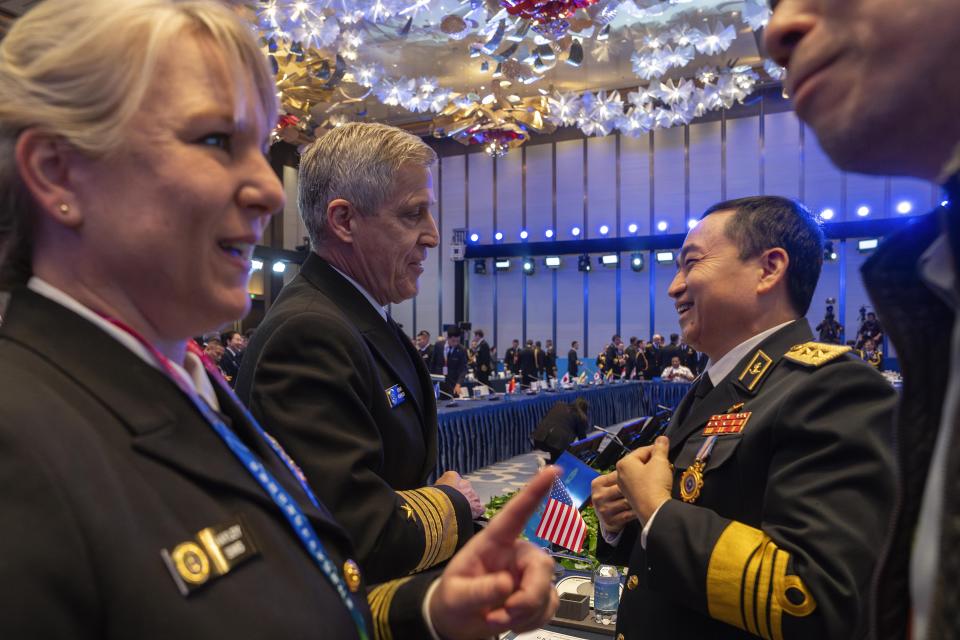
{"points": [[333, 377], [140, 500], [872, 355], [450, 361], [762, 510], [676, 372]]}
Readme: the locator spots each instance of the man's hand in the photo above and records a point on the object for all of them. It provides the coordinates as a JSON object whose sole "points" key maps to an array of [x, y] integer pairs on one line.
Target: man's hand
{"points": [[646, 478], [453, 479], [456, 391], [498, 582], [612, 508]]}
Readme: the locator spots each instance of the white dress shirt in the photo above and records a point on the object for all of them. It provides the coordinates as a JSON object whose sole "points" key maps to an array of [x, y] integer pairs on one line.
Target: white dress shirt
{"points": [[366, 294], [190, 371]]}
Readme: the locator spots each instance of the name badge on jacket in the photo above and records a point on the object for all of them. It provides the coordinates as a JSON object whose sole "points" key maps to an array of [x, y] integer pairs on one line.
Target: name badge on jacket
{"points": [[213, 552], [395, 396]]}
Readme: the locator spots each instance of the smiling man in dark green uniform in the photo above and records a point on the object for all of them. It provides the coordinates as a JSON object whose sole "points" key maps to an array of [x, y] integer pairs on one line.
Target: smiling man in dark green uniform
{"points": [[762, 510]]}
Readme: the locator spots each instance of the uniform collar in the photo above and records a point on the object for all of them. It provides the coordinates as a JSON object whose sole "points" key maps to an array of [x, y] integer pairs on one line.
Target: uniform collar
{"points": [[720, 369], [366, 294]]}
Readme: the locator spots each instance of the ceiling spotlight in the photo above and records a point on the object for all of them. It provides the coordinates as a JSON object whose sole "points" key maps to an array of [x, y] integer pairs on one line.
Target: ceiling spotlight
{"points": [[498, 235], [524, 234], [502, 265], [480, 267], [827, 214], [575, 231], [636, 262], [610, 260], [529, 266], [604, 229], [583, 263], [474, 237], [866, 246], [552, 262], [279, 266], [662, 225], [863, 211], [904, 207], [256, 265], [548, 233], [692, 223], [632, 228], [944, 203]]}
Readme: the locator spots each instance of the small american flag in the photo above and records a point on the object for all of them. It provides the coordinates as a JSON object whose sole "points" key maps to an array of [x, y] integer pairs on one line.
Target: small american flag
{"points": [[562, 524]]}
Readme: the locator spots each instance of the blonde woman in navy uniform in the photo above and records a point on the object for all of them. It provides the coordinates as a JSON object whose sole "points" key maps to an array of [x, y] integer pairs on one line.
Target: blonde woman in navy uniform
{"points": [[140, 500]]}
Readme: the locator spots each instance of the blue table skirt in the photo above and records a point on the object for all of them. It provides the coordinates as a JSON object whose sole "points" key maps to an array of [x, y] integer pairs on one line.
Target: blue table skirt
{"points": [[478, 433]]}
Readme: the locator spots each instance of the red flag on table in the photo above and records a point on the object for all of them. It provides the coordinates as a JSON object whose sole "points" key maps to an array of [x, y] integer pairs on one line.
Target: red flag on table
{"points": [[512, 385], [561, 523]]}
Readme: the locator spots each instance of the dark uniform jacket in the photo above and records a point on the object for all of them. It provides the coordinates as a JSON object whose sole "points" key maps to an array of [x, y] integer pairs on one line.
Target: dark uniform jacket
{"points": [[104, 463], [455, 362], [787, 526], [528, 365], [549, 356], [346, 393], [426, 354], [510, 360], [484, 364], [654, 361], [920, 326], [573, 364], [230, 365]]}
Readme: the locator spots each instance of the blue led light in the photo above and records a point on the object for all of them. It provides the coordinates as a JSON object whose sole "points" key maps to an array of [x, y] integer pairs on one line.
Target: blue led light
{"points": [[524, 234], [548, 233], [498, 235], [604, 230], [474, 237], [575, 231], [662, 225], [632, 228]]}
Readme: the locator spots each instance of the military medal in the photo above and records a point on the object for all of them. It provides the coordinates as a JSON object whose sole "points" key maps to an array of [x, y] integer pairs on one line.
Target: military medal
{"points": [[691, 482]]}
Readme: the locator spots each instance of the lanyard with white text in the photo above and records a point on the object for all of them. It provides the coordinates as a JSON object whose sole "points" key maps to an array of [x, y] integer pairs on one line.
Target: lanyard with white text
{"points": [[287, 503]]}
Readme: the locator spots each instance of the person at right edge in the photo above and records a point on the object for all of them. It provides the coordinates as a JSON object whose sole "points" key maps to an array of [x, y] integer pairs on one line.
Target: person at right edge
{"points": [[761, 511], [877, 81]]}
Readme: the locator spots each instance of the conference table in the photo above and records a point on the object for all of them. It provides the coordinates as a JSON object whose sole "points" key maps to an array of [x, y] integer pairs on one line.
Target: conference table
{"points": [[476, 433]]}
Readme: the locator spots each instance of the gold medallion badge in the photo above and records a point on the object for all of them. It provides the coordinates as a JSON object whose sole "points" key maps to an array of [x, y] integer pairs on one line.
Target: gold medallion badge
{"points": [[691, 482], [191, 563], [351, 574]]}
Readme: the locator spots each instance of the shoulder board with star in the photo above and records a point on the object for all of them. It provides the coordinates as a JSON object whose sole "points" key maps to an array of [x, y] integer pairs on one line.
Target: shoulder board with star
{"points": [[815, 354]]}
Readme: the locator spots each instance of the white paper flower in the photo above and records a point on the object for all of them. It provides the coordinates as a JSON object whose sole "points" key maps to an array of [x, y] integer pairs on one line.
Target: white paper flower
{"points": [[635, 122], [677, 57], [774, 70], [395, 91], [685, 35], [675, 92], [648, 65], [716, 40], [563, 108], [367, 75], [756, 14]]}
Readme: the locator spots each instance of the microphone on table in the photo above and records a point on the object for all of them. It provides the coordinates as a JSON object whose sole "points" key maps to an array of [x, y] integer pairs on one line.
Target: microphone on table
{"points": [[437, 378], [493, 392]]}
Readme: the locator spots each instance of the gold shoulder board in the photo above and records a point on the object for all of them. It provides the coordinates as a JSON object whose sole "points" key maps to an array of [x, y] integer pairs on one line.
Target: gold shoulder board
{"points": [[815, 354]]}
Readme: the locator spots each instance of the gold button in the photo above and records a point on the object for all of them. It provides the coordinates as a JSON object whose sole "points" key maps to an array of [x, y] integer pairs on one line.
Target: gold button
{"points": [[351, 574], [632, 583]]}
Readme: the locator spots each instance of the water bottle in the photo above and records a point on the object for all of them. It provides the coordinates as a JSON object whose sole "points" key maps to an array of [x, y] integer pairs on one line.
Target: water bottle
{"points": [[606, 594]]}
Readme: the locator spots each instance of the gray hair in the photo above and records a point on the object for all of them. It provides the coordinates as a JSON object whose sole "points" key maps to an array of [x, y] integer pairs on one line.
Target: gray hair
{"points": [[357, 162], [80, 70]]}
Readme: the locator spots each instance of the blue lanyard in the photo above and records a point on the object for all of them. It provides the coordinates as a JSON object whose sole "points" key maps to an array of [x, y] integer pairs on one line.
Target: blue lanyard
{"points": [[288, 505]]}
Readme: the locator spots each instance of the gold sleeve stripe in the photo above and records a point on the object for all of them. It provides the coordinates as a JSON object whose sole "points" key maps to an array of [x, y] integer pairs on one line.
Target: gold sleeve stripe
{"points": [[380, 598], [747, 583], [432, 529], [435, 512]]}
